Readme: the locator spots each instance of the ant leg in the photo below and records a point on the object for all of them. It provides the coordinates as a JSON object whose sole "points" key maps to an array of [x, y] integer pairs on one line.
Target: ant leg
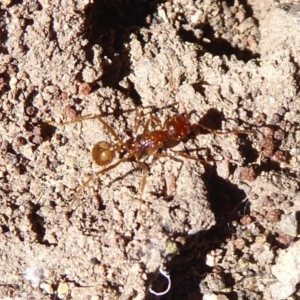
{"points": [[149, 120], [173, 84], [79, 119], [110, 129], [153, 119], [137, 120], [145, 168], [167, 182], [89, 117], [184, 155], [92, 177]]}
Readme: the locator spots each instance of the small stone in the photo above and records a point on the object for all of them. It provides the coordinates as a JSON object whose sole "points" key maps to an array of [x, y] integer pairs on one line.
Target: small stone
{"points": [[279, 135], [89, 74], [210, 260], [64, 96], [276, 118], [195, 18], [62, 290], [240, 243], [289, 225], [85, 88], [162, 15], [20, 141], [70, 112], [30, 110], [246, 220], [215, 282], [13, 81], [260, 239], [46, 287], [172, 248], [281, 291], [209, 296], [243, 263], [273, 216], [287, 272], [248, 173], [267, 202], [28, 152], [279, 156], [37, 140], [285, 239]]}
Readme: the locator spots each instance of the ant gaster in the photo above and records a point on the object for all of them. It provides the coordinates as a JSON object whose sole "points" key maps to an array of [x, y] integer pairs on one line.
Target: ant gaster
{"points": [[175, 130]]}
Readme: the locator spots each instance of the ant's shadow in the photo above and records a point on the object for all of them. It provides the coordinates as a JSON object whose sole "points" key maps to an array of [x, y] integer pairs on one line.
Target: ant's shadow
{"points": [[226, 199], [212, 119]]}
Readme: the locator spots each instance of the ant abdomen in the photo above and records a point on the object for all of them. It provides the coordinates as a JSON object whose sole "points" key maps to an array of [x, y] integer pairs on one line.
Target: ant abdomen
{"points": [[103, 153]]}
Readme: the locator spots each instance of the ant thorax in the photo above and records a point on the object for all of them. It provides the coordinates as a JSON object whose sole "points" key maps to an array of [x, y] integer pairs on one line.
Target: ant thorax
{"points": [[145, 144]]}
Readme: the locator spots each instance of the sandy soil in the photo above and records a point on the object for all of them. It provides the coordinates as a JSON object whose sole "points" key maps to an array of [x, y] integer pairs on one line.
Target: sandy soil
{"points": [[224, 229]]}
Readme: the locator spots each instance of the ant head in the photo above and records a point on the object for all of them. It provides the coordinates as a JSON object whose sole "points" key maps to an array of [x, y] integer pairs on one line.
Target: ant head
{"points": [[103, 153], [178, 127]]}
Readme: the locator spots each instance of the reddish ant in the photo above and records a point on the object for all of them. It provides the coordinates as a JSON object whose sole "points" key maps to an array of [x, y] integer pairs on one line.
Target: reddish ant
{"points": [[175, 130]]}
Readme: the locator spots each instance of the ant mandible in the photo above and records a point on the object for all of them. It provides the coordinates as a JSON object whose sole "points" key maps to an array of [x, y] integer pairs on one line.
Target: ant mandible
{"points": [[150, 142]]}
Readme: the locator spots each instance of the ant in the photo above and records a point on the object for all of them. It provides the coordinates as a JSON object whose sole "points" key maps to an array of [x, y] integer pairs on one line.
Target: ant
{"points": [[176, 129]]}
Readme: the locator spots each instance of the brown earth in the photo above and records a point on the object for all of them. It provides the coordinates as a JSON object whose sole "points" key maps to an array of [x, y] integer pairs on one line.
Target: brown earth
{"points": [[224, 229]]}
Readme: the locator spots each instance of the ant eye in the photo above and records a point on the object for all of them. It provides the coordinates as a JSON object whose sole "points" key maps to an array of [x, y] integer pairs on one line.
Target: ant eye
{"points": [[103, 153]]}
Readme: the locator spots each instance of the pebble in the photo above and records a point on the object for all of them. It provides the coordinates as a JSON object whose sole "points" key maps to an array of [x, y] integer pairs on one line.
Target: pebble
{"points": [[62, 290], [287, 272], [46, 287]]}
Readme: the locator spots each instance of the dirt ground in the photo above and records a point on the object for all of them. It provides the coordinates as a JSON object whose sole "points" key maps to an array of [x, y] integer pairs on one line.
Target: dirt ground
{"points": [[224, 226]]}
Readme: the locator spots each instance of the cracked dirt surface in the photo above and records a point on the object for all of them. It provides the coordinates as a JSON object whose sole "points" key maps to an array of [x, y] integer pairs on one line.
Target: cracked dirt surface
{"points": [[225, 229]]}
